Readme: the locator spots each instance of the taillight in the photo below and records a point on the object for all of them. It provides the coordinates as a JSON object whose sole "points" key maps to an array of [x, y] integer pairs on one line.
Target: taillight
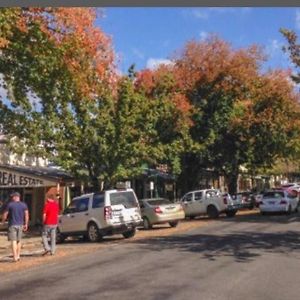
{"points": [[157, 210], [225, 200], [107, 212], [283, 202]]}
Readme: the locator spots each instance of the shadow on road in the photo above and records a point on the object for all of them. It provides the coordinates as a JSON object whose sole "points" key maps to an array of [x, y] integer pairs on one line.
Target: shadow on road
{"points": [[243, 246], [279, 218]]}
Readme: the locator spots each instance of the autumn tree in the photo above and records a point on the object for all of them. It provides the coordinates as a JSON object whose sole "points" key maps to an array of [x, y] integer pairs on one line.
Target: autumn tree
{"points": [[66, 102], [228, 93], [55, 66]]}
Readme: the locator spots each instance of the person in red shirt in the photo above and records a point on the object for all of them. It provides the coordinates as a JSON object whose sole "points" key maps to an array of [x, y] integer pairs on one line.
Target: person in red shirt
{"points": [[50, 220]]}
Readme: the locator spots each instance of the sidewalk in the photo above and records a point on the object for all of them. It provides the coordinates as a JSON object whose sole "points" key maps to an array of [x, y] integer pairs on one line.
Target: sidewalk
{"points": [[31, 244]]}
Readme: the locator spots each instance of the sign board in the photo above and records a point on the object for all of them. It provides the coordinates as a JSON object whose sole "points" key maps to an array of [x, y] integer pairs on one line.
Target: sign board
{"points": [[16, 179], [151, 185]]}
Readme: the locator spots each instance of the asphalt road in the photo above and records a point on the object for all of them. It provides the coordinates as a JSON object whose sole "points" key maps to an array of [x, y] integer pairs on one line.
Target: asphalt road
{"points": [[247, 257]]}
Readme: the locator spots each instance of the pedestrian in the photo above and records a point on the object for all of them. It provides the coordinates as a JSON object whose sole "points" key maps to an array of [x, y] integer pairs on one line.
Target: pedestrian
{"points": [[50, 220], [18, 217]]}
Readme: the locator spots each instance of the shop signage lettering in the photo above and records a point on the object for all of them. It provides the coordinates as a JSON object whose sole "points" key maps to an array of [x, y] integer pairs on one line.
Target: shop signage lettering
{"points": [[12, 179]]}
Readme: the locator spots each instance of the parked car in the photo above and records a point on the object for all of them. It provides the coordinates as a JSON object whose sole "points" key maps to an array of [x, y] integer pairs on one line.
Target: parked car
{"points": [[160, 211], [258, 197], [246, 200], [279, 201], [100, 214], [208, 201], [232, 199], [291, 186]]}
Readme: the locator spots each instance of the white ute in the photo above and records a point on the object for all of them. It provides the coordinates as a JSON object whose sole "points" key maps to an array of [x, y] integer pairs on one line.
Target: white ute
{"points": [[100, 214], [210, 202]]}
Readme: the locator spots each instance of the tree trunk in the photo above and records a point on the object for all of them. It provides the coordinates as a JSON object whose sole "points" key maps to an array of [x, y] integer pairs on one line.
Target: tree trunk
{"points": [[232, 182]]}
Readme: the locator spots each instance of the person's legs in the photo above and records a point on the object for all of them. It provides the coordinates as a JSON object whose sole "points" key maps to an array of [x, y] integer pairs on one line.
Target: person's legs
{"points": [[19, 238], [19, 246], [12, 236], [45, 238], [53, 239], [14, 250]]}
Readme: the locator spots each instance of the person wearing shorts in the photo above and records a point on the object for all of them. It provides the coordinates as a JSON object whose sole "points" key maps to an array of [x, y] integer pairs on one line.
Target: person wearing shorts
{"points": [[18, 217]]}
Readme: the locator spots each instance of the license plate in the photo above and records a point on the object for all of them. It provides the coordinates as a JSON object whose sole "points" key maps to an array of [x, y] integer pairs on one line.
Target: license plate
{"points": [[116, 213], [170, 208], [271, 202]]}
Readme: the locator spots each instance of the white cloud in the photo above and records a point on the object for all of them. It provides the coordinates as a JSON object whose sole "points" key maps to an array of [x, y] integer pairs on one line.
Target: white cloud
{"points": [[205, 13], [200, 13], [274, 48], [298, 19], [203, 35], [138, 53], [223, 10], [153, 63]]}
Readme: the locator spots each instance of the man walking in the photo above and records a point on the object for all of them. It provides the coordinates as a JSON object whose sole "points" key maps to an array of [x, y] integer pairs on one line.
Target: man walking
{"points": [[50, 220], [18, 218]]}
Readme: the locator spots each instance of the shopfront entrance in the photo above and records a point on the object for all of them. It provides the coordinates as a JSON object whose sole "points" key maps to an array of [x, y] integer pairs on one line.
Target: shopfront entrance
{"points": [[34, 185]]}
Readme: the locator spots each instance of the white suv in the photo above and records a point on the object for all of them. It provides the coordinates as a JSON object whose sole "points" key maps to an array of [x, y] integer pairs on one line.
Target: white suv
{"points": [[99, 214], [210, 202]]}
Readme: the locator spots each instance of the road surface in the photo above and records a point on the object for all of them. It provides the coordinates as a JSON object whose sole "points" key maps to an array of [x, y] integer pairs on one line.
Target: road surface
{"points": [[247, 257]]}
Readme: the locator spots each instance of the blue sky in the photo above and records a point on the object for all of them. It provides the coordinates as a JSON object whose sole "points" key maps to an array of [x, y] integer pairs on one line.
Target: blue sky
{"points": [[146, 36]]}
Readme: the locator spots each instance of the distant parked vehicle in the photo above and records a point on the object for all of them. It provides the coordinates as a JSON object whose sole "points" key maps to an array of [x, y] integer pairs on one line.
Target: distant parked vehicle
{"points": [[99, 214], [279, 201], [208, 201], [291, 187], [246, 200], [160, 211]]}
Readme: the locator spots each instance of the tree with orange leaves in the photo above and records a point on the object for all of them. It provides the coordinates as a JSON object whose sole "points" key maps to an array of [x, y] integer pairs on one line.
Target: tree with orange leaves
{"points": [[228, 92]]}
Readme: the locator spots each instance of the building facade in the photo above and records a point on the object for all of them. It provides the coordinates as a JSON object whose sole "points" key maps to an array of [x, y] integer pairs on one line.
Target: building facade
{"points": [[33, 179]]}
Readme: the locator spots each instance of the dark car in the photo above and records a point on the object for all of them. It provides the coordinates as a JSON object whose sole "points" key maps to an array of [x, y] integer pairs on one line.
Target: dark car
{"points": [[246, 199]]}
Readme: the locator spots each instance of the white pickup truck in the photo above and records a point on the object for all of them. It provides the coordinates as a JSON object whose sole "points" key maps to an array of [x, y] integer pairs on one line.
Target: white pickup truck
{"points": [[210, 202]]}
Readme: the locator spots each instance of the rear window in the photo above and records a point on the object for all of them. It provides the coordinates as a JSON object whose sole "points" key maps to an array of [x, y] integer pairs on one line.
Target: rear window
{"points": [[274, 195], [159, 202], [123, 198], [292, 194], [287, 185]]}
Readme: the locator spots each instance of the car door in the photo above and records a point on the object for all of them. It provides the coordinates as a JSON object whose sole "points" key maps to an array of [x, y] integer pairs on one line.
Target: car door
{"points": [[75, 215], [199, 206], [187, 202]]}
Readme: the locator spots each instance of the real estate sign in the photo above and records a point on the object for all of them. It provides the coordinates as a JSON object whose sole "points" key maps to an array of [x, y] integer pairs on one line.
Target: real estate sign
{"points": [[16, 179]]}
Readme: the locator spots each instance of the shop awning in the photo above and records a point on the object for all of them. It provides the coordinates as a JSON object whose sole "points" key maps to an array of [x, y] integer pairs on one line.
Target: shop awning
{"points": [[23, 176]]}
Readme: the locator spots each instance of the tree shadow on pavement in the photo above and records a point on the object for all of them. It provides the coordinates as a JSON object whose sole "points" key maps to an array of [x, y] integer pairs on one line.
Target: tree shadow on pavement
{"points": [[279, 218], [241, 246]]}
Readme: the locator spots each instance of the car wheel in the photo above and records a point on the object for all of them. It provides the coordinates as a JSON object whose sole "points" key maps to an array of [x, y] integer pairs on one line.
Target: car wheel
{"points": [[212, 212], [93, 233], [173, 224], [60, 238], [129, 234], [146, 223], [231, 213]]}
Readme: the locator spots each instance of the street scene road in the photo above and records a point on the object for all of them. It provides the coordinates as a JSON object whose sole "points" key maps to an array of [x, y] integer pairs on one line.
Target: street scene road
{"points": [[246, 257]]}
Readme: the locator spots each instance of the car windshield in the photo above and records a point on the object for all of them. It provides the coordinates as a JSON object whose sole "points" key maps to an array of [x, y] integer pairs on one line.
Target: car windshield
{"points": [[159, 202], [123, 198], [274, 195]]}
